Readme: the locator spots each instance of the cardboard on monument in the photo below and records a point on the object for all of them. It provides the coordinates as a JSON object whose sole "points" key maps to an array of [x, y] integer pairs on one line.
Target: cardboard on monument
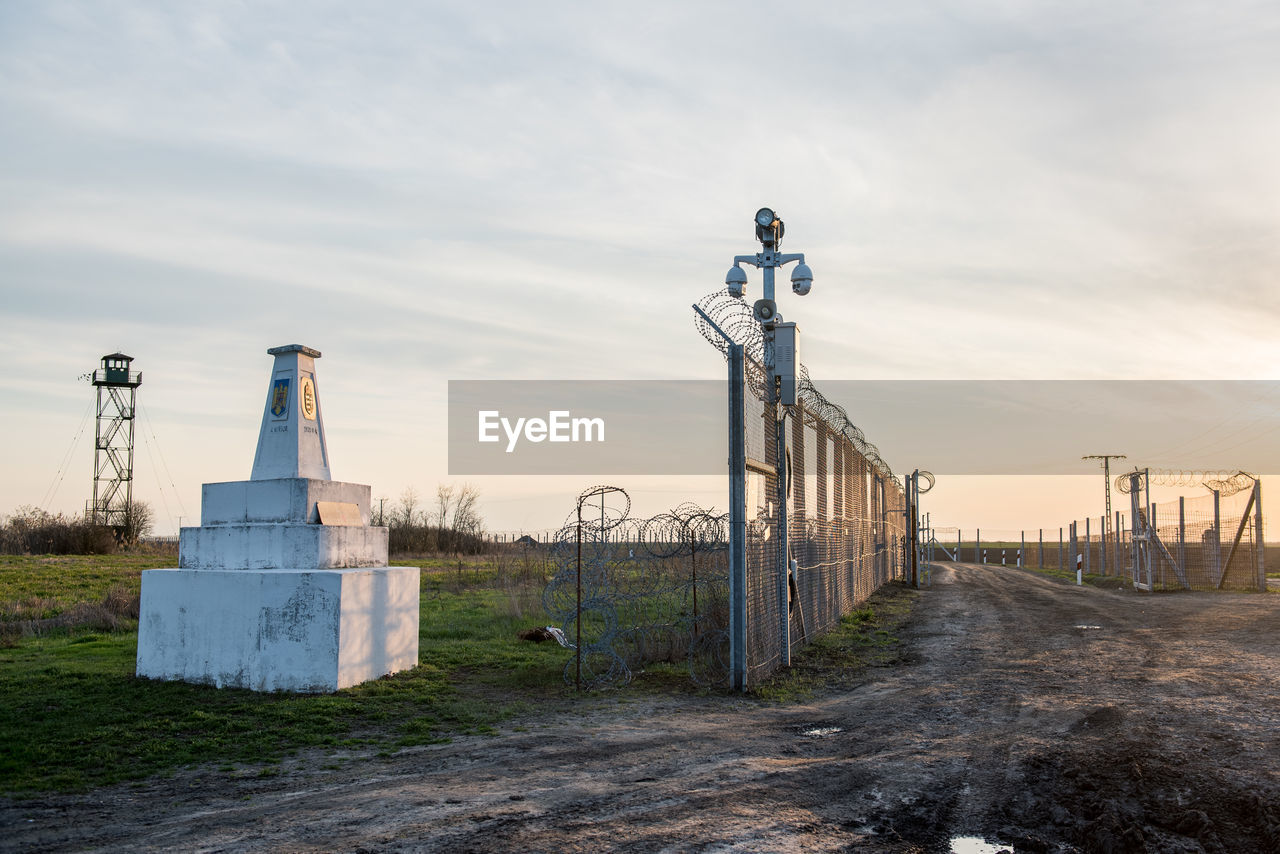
{"points": [[284, 586]]}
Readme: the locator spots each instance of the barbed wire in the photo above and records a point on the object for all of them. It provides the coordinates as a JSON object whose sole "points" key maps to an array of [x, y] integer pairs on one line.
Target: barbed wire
{"points": [[627, 591], [735, 318], [1225, 482]]}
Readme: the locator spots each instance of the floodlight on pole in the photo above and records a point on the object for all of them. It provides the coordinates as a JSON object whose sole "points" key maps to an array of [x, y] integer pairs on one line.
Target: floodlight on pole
{"points": [[769, 228]]}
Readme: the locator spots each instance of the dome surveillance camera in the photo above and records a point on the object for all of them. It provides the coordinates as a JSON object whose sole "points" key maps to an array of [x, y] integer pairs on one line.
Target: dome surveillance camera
{"points": [[736, 279], [801, 279]]}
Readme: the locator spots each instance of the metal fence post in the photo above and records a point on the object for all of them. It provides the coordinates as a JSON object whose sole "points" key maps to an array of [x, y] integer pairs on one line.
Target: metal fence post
{"points": [[913, 534], [1182, 534], [977, 546], [1088, 544], [784, 554], [1155, 535], [1040, 552], [1217, 536], [1119, 538], [737, 519], [1257, 536], [1061, 565], [1102, 552]]}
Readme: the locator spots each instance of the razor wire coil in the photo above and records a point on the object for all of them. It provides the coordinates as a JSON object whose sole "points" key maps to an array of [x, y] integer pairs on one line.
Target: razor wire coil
{"points": [[1225, 482], [735, 318], [630, 592]]}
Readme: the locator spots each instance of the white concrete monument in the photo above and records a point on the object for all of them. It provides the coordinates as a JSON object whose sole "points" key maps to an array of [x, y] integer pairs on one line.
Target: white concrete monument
{"points": [[285, 585]]}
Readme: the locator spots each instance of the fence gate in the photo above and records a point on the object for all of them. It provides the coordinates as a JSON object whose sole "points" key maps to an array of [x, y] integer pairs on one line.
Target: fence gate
{"points": [[1209, 542]]}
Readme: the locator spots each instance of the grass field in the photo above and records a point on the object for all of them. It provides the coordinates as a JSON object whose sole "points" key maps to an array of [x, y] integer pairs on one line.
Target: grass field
{"points": [[74, 715], [35, 587]]}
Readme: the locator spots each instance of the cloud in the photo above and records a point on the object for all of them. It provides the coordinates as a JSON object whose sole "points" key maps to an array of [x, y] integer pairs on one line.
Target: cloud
{"points": [[447, 190]]}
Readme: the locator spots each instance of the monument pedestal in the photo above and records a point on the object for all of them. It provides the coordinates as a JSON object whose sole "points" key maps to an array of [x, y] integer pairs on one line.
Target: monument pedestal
{"points": [[285, 585], [278, 630]]}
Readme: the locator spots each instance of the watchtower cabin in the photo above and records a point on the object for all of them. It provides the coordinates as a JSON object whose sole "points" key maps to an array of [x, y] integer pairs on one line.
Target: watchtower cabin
{"points": [[117, 390]]}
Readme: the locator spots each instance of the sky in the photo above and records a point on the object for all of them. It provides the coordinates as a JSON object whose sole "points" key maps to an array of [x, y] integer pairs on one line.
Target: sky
{"points": [[443, 191]]}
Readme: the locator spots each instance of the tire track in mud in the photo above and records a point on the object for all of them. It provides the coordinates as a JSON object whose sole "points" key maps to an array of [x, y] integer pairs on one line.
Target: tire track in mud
{"points": [[1052, 717]]}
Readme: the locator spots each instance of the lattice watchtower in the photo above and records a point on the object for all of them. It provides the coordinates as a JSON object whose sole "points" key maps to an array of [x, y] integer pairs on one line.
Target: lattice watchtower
{"points": [[117, 387]]}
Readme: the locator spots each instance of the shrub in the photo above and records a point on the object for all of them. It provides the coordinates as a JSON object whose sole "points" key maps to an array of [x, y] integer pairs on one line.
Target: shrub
{"points": [[31, 530]]}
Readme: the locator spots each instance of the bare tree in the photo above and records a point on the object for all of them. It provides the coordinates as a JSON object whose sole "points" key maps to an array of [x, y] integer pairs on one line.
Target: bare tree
{"points": [[444, 503], [451, 524], [406, 515], [138, 522], [466, 511]]}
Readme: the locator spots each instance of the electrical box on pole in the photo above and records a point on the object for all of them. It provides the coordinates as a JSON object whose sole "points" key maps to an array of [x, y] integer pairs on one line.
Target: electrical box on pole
{"points": [[117, 389], [786, 348]]}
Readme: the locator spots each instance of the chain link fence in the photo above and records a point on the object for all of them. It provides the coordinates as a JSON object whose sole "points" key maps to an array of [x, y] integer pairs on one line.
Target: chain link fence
{"points": [[1211, 541], [844, 511]]}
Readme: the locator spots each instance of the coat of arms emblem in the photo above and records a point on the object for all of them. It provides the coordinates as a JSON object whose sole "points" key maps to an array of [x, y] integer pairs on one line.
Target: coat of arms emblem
{"points": [[308, 398], [280, 398]]}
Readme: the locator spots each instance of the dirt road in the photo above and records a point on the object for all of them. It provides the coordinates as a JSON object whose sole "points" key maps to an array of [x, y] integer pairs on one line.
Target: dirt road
{"points": [[1045, 716]]}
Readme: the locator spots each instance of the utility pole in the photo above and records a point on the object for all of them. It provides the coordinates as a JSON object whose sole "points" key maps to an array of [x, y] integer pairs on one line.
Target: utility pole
{"points": [[1106, 475]]}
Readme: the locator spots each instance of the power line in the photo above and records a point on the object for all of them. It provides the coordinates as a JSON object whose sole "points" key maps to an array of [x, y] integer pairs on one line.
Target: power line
{"points": [[156, 472], [147, 418], [61, 472]]}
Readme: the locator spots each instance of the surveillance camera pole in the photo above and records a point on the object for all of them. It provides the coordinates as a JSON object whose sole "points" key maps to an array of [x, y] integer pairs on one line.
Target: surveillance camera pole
{"points": [[769, 231]]}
